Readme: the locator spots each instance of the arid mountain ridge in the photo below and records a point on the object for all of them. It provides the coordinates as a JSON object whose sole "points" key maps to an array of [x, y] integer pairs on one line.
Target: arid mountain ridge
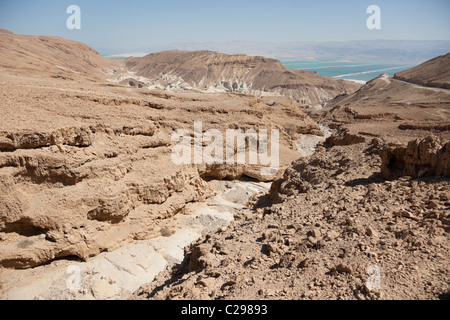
{"points": [[216, 72], [433, 73], [399, 51], [183, 70], [42, 53]]}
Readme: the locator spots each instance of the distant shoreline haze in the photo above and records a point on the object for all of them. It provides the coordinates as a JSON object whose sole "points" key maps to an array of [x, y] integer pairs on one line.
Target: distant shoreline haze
{"points": [[401, 52], [359, 61], [360, 72]]}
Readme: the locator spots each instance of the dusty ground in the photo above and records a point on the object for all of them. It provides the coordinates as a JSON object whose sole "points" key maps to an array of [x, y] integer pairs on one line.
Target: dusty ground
{"points": [[322, 242]]}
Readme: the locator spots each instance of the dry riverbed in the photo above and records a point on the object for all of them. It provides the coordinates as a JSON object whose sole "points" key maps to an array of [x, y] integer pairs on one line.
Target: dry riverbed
{"points": [[117, 274]]}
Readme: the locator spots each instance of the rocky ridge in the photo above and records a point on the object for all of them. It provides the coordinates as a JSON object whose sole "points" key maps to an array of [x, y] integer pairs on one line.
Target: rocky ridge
{"points": [[391, 110], [209, 71], [433, 73]]}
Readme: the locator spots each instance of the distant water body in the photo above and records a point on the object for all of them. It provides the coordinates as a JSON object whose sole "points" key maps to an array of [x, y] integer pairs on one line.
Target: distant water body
{"points": [[349, 70], [360, 72]]}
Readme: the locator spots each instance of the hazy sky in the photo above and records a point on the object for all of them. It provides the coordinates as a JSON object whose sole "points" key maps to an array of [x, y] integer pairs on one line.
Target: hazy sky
{"points": [[135, 24]]}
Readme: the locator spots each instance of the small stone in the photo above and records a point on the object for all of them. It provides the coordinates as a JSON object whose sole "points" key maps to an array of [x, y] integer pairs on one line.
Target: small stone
{"points": [[342, 268], [167, 232], [376, 142], [432, 205], [316, 233], [285, 260], [268, 249], [312, 240], [229, 283], [332, 234], [371, 232], [305, 263], [206, 283]]}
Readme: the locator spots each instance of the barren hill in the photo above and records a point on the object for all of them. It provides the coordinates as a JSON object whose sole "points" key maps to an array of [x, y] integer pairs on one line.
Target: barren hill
{"points": [[394, 110], [50, 56], [433, 73], [170, 70], [216, 72]]}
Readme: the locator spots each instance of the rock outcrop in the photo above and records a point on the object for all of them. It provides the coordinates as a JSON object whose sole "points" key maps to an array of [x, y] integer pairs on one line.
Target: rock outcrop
{"points": [[61, 200], [80, 190], [388, 109], [340, 232], [419, 158]]}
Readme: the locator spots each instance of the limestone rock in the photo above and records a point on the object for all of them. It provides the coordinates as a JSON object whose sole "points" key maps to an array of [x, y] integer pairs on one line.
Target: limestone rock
{"points": [[419, 158]]}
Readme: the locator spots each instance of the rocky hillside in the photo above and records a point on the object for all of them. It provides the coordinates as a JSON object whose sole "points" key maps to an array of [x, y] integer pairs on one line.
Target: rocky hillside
{"points": [[365, 217], [433, 73], [216, 72], [85, 165], [338, 231], [392, 110]]}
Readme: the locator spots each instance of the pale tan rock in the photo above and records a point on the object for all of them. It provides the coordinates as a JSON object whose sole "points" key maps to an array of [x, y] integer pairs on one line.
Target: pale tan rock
{"points": [[419, 158]]}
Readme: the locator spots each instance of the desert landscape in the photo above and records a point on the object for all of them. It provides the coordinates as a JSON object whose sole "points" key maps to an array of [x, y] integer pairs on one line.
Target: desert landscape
{"points": [[88, 182]]}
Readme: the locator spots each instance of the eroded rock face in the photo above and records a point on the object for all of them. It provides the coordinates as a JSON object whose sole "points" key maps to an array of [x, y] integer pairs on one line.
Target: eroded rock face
{"points": [[392, 110], [83, 191], [325, 169], [344, 138], [104, 207], [81, 137], [419, 158]]}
